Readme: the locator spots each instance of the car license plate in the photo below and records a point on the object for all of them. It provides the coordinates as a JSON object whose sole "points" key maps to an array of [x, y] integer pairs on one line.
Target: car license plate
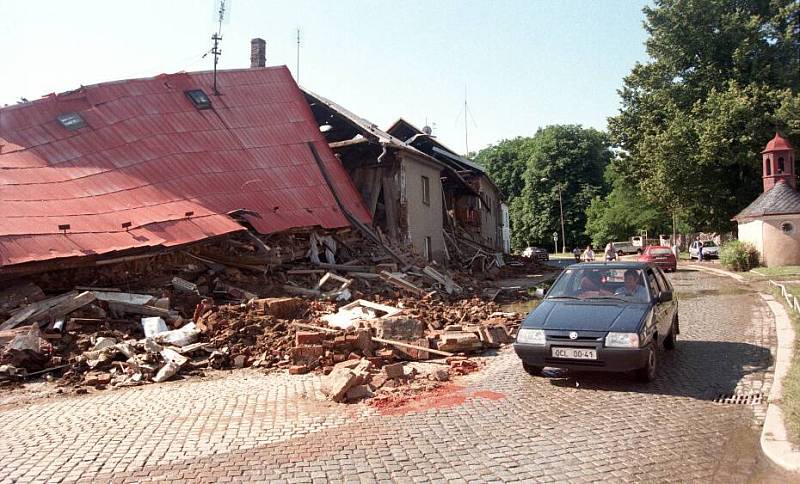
{"points": [[574, 353]]}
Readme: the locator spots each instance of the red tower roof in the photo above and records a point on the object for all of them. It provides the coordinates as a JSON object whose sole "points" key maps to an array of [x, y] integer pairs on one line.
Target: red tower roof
{"points": [[778, 143]]}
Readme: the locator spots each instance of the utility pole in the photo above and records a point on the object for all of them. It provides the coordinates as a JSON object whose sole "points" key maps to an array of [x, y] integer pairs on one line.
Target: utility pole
{"points": [[561, 208]]}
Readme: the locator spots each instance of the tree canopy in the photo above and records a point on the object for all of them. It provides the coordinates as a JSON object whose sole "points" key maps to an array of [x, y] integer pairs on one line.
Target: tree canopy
{"points": [[531, 171], [722, 78]]}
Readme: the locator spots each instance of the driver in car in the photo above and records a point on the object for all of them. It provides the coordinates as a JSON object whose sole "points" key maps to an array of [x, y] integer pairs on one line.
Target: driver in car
{"points": [[633, 286]]}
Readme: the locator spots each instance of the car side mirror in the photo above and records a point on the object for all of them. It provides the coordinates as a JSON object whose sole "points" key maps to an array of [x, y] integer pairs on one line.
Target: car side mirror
{"points": [[665, 296]]}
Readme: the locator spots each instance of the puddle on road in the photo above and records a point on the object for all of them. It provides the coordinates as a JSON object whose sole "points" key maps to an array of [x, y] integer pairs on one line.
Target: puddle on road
{"points": [[523, 307], [728, 291]]}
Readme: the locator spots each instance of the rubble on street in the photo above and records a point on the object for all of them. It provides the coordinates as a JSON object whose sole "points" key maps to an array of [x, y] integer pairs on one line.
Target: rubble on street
{"points": [[359, 323]]}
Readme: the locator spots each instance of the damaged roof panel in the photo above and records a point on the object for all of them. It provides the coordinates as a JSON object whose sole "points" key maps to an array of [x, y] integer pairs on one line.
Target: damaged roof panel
{"points": [[149, 169]]}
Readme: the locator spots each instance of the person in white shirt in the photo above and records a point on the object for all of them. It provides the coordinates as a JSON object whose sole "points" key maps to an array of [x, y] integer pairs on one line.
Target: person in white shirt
{"points": [[610, 252], [588, 254]]}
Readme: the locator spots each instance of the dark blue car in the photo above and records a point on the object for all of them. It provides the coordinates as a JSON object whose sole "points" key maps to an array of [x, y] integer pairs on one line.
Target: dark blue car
{"points": [[602, 317]]}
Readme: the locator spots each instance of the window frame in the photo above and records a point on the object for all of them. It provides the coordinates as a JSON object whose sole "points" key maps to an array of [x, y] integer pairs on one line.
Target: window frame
{"points": [[426, 191], [427, 248], [198, 104]]}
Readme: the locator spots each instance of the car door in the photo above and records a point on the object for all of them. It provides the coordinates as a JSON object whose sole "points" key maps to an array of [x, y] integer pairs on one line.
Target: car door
{"points": [[672, 306], [661, 311]]}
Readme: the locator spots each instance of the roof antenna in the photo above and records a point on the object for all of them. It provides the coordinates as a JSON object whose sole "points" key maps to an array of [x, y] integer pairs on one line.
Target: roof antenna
{"points": [[297, 71], [221, 8]]}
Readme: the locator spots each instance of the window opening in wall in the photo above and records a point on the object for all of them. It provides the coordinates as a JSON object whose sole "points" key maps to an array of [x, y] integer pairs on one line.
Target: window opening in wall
{"points": [[780, 165], [769, 167], [71, 121], [426, 190], [787, 227], [198, 98], [427, 249]]}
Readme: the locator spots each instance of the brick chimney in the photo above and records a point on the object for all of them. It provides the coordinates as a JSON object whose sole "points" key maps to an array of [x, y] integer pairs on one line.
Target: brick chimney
{"points": [[258, 53]]}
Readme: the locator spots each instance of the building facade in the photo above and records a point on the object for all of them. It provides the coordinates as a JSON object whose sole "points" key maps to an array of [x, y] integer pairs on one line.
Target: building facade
{"points": [[772, 222]]}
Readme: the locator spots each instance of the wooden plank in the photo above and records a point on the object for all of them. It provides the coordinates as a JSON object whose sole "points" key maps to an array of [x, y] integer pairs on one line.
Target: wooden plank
{"points": [[316, 328], [411, 347], [301, 291], [144, 310], [53, 308], [402, 284]]}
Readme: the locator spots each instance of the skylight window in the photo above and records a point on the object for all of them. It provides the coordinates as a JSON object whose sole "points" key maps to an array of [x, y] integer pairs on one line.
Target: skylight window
{"points": [[199, 98], [71, 121]]}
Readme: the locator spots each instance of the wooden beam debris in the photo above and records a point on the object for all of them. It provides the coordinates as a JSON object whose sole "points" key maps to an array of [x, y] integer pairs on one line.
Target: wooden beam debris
{"points": [[411, 347]]}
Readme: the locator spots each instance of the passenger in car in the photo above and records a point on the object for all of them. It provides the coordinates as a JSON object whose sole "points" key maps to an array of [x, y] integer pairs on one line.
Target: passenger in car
{"points": [[633, 287], [591, 282]]}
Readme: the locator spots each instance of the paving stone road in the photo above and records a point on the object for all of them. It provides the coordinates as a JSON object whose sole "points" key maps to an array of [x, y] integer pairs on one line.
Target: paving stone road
{"points": [[496, 425]]}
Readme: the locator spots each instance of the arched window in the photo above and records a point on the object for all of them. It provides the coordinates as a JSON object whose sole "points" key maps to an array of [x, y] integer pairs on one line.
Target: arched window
{"points": [[780, 165], [769, 167]]}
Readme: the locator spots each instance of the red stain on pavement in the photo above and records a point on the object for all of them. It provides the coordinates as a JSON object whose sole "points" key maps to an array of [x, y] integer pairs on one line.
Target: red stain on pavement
{"points": [[445, 396], [489, 395]]}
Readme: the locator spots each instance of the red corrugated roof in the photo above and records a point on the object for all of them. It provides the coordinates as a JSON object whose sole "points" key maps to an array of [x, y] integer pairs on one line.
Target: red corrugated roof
{"points": [[147, 157]]}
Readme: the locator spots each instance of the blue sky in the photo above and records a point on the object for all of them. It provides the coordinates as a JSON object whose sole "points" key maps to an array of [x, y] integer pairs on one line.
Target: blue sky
{"points": [[525, 64]]}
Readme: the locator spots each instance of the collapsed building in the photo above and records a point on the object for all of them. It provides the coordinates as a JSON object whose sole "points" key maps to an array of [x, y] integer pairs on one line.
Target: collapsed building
{"points": [[140, 166], [163, 226]]}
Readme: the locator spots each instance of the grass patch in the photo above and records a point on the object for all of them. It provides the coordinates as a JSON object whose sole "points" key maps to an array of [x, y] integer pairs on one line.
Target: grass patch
{"points": [[791, 384], [778, 272]]}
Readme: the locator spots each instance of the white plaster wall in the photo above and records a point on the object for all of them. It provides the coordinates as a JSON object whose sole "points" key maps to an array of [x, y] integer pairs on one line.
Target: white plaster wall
{"points": [[753, 232], [423, 220]]}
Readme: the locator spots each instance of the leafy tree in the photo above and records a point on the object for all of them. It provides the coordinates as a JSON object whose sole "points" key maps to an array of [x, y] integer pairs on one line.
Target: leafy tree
{"points": [[723, 77], [505, 163], [560, 158]]}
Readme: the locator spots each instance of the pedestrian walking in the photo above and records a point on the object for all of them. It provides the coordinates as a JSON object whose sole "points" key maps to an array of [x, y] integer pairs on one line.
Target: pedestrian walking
{"points": [[588, 254], [700, 253], [577, 253]]}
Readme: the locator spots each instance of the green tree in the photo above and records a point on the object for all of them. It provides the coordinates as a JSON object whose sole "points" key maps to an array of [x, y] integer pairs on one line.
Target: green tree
{"points": [[561, 158], [723, 77], [505, 163]]}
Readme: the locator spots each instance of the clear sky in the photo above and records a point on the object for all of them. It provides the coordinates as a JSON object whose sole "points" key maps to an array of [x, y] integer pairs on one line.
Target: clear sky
{"points": [[525, 64]]}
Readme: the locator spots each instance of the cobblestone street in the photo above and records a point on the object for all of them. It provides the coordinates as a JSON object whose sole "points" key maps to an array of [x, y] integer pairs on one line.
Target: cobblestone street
{"points": [[498, 424]]}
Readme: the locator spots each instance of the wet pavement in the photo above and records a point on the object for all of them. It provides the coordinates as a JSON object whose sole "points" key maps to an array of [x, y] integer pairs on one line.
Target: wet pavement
{"points": [[496, 425]]}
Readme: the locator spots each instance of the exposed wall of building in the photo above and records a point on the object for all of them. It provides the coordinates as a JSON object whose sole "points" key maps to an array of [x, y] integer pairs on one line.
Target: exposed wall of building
{"points": [[781, 235], [424, 219], [753, 232], [491, 220]]}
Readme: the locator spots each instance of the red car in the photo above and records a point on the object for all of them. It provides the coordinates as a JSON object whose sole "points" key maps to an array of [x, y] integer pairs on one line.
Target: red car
{"points": [[661, 256]]}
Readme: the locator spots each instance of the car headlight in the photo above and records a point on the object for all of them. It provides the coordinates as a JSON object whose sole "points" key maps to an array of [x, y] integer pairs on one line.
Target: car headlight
{"points": [[622, 340], [531, 336]]}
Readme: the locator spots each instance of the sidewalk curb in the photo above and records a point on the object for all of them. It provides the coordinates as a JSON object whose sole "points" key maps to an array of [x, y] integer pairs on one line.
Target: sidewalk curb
{"points": [[774, 440], [718, 272]]}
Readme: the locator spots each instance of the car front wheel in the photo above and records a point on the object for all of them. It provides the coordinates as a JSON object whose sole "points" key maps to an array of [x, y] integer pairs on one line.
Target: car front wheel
{"points": [[532, 370], [648, 372]]}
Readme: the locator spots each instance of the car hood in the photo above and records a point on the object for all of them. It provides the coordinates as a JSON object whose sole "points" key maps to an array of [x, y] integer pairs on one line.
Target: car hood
{"points": [[565, 315]]}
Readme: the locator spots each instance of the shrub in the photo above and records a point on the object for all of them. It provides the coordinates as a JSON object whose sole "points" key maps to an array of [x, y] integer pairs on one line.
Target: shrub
{"points": [[738, 256]]}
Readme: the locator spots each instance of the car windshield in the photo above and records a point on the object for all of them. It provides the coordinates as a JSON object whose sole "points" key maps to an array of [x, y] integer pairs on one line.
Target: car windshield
{"points": [[601, 283], [709, 243], [662, 251]]}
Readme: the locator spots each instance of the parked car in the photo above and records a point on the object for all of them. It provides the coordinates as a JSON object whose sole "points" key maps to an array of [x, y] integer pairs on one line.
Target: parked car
{"points": [[536, 252], [710, 249], [604, 317], [625, 247], [661, 256]]}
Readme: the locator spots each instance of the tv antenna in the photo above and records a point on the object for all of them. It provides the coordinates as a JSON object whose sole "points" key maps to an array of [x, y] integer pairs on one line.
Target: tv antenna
{"points": [[297, 71], [467, 117], [221, 8]]}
